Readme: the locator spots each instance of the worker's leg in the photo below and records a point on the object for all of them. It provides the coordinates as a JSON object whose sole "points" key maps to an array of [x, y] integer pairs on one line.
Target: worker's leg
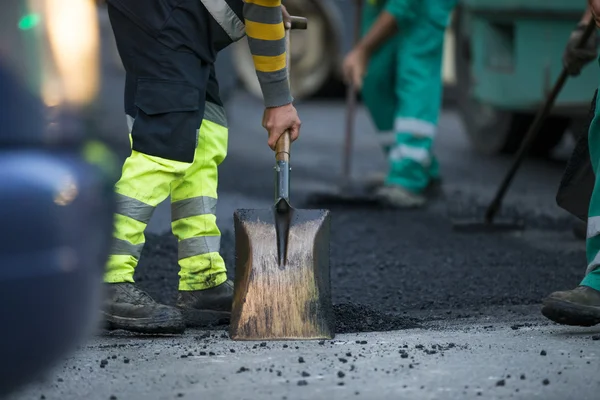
{"points": [[164, 102], [377, 91], [418, 89], [581, 306], [193, 215]]}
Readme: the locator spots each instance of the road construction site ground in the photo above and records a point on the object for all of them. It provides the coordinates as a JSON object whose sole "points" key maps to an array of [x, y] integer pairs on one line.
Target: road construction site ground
{"points": [[422, 312]]}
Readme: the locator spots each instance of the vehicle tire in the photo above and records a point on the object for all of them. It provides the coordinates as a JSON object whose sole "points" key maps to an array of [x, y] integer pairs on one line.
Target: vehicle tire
{"points": [[492, 130], [314, 52]]}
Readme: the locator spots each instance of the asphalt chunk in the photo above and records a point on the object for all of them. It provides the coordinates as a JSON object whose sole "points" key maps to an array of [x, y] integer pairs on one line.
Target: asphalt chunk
{"points": [[302, 383], [301, 360], [501, 382], [543, 353]]}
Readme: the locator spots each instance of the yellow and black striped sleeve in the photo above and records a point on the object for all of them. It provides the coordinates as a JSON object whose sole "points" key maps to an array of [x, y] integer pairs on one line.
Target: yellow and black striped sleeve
{"points": [[266, 39]]}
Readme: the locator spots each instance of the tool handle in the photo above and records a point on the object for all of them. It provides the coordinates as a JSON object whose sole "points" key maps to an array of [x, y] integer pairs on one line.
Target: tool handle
{"points": [[283, 147], [532, 133], [284, 143], [298, 23]]}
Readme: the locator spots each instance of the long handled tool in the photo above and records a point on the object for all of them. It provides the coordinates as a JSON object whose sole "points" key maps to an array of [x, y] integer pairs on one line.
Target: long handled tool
{"points": [[282, 285], [347, 192], [489, 224]]}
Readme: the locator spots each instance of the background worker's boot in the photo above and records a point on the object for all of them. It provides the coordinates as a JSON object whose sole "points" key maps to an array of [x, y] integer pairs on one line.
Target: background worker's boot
{"points": [[579, 307], [207, 307], [398, 197], [375, 181], [130, 308]]}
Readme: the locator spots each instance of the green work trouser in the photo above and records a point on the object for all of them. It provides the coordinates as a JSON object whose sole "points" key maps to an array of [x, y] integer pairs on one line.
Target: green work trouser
{"points": [[592, 278], [403, 91]]}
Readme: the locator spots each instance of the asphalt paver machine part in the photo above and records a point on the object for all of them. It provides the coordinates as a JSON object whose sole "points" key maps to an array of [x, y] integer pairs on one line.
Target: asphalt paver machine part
{"points": [[347, 191], [490, 224], [282, 288]]}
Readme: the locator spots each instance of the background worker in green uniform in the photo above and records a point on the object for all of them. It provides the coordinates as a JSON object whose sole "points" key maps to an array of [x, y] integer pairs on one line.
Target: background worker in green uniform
{"points": [[581, 306], [398, 68]]}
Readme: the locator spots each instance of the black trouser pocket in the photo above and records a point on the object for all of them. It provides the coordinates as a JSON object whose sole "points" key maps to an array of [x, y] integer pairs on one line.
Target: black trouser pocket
{"points": [[168, 117]]}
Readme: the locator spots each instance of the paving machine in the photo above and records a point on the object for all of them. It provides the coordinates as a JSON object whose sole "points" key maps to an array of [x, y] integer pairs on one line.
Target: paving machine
{"points": [[508, 54]]}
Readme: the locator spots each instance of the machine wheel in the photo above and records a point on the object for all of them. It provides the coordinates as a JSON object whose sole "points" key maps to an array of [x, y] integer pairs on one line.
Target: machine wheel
{"points": [[492, 130], [314, 53]]}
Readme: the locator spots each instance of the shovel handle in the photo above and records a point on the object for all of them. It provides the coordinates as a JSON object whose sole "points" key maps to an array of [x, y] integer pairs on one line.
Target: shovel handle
{"points": [[298, 22], [283, 146]]}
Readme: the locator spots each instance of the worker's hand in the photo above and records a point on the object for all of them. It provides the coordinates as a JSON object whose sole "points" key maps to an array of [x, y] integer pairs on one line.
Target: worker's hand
{"points": [[355, 67], [277, 120], [575, 59], [287, 19]]}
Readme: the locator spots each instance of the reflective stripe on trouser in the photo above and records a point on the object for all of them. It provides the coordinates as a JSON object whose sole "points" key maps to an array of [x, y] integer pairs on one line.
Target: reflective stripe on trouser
{"points": [[146, 181], [402, 91], [592, 277]]}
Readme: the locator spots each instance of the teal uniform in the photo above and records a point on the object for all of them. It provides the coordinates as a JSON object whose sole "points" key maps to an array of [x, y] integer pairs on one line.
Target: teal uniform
{"points": [[592, 277], [403, 87]]}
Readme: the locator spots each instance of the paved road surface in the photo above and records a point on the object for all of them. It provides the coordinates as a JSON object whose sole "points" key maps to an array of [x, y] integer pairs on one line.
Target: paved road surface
{"points": [[456, 316]]}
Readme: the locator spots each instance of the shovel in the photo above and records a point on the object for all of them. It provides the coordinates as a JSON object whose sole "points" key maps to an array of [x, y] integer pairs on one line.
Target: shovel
{"points": [[282, 281], [489, 224]]}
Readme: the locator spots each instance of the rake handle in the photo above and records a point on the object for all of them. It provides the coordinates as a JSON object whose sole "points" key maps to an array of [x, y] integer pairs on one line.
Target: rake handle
{"points": [[532, 133], [284, 143]]}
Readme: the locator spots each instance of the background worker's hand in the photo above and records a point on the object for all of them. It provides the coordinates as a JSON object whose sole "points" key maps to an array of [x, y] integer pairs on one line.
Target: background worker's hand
{"points": [[277, 120], [575, 59], [355, 67]]}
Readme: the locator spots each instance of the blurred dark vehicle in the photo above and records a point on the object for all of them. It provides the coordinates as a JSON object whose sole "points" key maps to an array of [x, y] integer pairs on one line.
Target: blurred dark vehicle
{"points": [[56, 199]]}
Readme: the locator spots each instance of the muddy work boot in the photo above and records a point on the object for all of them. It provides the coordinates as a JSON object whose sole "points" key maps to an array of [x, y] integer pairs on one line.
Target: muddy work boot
{"points": [[577, 307], [129, 308], [207, 307]]}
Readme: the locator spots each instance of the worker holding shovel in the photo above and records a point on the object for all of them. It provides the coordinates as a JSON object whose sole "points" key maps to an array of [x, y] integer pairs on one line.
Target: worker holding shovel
{"points": [[398, 68], [581, 306], [179, 134]]}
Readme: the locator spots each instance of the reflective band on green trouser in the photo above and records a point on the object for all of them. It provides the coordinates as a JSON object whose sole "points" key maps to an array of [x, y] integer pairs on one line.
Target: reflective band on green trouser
{"points": [[402, 91], [146, 181], [592, 277]]}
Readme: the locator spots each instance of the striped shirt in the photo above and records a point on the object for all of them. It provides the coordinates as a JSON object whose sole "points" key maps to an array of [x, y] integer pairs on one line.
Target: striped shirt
{"points": [[266, 39]]}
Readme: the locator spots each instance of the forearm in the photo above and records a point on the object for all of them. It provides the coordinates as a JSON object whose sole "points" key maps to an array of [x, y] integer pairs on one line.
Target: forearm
{"points": [[266, 39], [384, 28]]}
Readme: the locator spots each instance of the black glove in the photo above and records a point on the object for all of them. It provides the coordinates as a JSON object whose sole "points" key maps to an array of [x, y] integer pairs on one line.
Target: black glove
{"points": [[575, 59]]}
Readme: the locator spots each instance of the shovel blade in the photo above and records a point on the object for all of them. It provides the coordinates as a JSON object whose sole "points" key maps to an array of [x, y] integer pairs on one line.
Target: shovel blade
{"points": [[282, 302]]}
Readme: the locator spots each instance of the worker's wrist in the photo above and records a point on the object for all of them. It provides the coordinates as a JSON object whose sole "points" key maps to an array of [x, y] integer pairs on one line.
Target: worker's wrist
{"points": [[276, 94]]}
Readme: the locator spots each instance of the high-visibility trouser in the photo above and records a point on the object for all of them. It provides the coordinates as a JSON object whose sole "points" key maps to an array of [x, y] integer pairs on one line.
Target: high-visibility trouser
{"points": [[402, 91], [592, 277], [146, 181]]}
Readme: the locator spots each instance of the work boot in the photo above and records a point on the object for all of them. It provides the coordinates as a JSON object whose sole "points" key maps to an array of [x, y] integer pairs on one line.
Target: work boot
{"points": [[207, 307], [397, 196], [578, 307], [375, 181], [130, 308]]}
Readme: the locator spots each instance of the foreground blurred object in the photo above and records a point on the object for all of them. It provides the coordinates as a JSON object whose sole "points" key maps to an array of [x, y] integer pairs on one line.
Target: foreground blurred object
{"points": [[508, 54], [56, 200]]}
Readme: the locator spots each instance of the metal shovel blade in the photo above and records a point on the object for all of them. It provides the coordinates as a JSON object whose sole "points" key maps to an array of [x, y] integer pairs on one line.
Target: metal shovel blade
{"points": [[288, 300]]}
